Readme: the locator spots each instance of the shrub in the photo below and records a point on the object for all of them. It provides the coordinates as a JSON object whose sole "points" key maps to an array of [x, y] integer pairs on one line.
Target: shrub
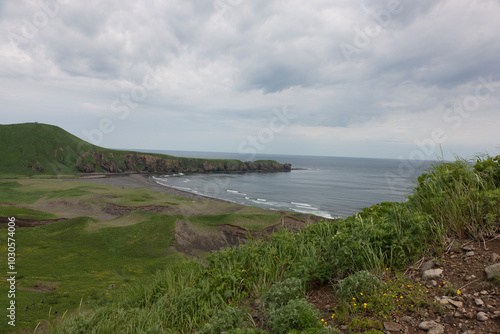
{"points": [[281, 293], [359, 286], [296, 314], [227, 319]]}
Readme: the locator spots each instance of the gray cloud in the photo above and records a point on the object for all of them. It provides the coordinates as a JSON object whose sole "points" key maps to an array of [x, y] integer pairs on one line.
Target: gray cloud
{"points": [[225, 65]]}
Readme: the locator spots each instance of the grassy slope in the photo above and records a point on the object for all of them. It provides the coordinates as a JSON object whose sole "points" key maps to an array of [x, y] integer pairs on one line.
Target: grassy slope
{"points": [[28, 145], [78, 260], [383, 238]]}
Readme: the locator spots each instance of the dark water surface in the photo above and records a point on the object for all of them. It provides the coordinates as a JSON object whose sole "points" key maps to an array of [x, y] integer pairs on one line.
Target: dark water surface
{"points": [[325, 186]]}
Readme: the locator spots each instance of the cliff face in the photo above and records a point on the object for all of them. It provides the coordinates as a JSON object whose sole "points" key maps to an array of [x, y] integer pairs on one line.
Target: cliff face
{"points": [[92, 162]]}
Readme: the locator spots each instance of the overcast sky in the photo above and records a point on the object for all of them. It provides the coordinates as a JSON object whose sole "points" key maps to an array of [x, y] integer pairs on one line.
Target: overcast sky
{"points": [[391, 79]]}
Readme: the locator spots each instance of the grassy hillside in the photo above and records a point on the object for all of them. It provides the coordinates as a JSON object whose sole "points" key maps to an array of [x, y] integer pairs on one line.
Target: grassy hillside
{"points": [[260, 287], [94, 240], [35, 148], [41, 149]]}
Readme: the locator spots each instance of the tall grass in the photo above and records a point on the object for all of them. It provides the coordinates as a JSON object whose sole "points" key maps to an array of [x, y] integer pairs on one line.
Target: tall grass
{"points": [[461, 199]]}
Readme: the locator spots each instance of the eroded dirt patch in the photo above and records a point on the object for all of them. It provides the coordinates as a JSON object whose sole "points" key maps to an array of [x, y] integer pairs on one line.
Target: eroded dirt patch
{"points": [[189, 237], [41, 287], [119, 210], [20, 222]]}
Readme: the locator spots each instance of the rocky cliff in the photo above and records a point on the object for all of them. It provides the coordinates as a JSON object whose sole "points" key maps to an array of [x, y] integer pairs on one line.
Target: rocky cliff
{"points": [[94, 162]]}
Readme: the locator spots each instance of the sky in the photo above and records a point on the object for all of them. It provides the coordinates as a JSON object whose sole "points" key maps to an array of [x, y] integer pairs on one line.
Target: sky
{"points": [[357, 78]]}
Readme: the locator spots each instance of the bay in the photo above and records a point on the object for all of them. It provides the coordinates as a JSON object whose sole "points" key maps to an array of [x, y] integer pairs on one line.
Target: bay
{"points": [[326, 186]]}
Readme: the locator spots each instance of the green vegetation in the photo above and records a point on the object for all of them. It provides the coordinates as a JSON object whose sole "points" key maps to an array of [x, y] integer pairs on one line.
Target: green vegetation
{"points": [[460, 199], [361, 257], [80, 263], [24, 213], [40, 149]]}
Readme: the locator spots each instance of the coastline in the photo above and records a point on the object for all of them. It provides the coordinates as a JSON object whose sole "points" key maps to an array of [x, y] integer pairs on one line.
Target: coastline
{"points": [[142, 181]]}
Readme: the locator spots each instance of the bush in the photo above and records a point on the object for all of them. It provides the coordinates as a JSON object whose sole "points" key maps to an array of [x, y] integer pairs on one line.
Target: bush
{"points": [[296, 314], [359, 286], [228, 319], [246, 331], [281, 293]]}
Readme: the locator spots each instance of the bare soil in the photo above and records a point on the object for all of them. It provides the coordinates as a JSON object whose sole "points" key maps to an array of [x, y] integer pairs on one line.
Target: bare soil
{"points": [[20, 223]]}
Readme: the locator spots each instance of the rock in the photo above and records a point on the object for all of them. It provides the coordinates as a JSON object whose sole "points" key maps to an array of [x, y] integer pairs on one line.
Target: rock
{"points": [[492, 271], [467, 248], [494, 257], [455, 303], [481, 316], [432, 274], [392, 327], [427, 325], [484, 292], [470, 253], [406, 319], [431, 284], [447, 319], [426, 266], [479, 302], [470, 277], [438, 329]]}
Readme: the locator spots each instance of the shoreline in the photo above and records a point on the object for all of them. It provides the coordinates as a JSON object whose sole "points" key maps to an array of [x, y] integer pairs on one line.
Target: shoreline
{"points": [[142, 181]]}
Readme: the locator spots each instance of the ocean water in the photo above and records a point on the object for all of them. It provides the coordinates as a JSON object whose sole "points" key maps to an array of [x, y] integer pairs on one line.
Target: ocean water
{"points": [[325, 186]]}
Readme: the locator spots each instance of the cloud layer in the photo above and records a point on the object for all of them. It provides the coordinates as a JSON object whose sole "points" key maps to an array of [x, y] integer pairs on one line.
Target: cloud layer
{"points": [[360, 78]]}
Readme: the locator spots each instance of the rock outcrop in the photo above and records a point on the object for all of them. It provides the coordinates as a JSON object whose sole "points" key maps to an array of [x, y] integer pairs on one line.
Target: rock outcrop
{"points": [[94, 162]]}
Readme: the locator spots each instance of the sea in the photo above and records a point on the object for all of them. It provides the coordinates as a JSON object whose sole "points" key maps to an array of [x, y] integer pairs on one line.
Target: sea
{"points": [[330, 187]]}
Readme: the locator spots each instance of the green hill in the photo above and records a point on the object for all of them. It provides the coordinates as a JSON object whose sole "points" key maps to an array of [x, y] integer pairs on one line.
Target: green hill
{"points": [[34, 149]]}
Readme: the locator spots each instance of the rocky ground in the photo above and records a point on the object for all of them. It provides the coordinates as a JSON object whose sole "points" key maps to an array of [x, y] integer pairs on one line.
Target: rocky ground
{"points": [[458, 281]]}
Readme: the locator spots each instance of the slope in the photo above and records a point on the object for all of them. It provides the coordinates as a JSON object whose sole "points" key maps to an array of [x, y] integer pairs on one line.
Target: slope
{"points": [[42, 149]]}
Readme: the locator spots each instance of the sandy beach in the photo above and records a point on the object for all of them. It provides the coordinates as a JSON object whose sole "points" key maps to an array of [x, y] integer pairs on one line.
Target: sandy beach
{"points": [[140, 181]]}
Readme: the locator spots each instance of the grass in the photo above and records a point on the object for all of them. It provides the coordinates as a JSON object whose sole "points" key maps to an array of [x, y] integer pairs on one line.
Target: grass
{"points": [[362, 256], [81, 264], [461, 199], [383, 238], [255, 221], [24, 213], [79, 259]]}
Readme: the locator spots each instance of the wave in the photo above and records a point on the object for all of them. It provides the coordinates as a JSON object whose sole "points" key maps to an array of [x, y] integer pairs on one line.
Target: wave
{"points": [[301, 204]]}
